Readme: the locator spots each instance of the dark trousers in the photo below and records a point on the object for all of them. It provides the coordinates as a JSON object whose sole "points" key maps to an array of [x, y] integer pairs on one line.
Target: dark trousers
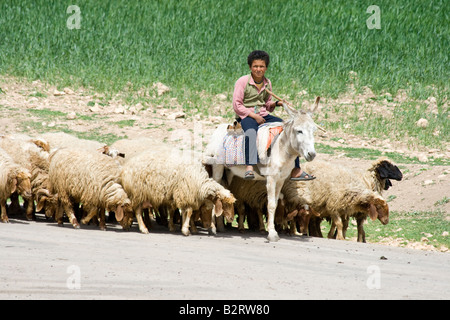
{"points": [[250, 127]]}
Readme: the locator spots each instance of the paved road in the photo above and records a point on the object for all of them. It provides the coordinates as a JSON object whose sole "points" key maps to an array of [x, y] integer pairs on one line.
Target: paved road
{"points": [[39, 260]]}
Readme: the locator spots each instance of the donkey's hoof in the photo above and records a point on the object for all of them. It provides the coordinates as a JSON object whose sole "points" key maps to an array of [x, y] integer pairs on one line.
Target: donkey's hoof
{"points": [[273, 236]]}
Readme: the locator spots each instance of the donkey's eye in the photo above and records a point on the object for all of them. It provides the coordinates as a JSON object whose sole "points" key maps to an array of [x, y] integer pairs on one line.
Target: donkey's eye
{"points": [[299, 131]]}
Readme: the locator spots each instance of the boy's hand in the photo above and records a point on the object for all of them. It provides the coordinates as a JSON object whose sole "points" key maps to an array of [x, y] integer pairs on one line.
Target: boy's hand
{"points": [[259, 119]]}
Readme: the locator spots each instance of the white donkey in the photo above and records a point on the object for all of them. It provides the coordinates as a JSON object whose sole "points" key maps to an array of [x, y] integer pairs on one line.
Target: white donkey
{"points": [[296, 139]]}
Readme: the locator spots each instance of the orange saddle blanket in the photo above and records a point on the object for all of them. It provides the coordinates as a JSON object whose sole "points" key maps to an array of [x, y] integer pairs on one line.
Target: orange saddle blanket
{"points": [[273, 134]]}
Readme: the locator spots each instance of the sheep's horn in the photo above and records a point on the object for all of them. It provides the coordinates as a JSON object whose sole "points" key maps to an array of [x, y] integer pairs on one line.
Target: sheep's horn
{"points": [[42, 192]]}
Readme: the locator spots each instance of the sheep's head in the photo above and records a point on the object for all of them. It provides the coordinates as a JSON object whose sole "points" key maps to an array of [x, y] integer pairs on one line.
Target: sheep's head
{"points": [[386, 169], [124, 214], [47, 201], [379, 209], [22, 184], [205, 213], [224, 204], [113, 153], [44, 145]]}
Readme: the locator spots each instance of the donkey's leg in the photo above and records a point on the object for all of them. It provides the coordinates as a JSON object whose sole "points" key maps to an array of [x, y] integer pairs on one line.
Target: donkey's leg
{"points": [[217, 172], [273, 193]]}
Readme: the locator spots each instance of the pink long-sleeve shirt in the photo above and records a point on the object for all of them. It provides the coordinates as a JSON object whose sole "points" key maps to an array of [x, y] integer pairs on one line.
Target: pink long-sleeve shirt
{"points": [[238, 97]]}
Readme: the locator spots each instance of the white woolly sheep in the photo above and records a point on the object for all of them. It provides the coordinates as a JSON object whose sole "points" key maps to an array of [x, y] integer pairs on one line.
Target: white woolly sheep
{"points": [[154, 178], [20, 147], [90, 178], [40, 185], [338, 193], [252, 195], [132, 147], [378, 178], [12, 177], [55, 140]]}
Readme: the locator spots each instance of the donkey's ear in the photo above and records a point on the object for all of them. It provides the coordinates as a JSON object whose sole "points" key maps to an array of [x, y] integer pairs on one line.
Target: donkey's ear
{"points": [[290, 111], [316, 106]]}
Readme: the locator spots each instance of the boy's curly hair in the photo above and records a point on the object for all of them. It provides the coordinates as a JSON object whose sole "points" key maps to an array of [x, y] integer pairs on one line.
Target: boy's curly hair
{"points": [[258, 55]]}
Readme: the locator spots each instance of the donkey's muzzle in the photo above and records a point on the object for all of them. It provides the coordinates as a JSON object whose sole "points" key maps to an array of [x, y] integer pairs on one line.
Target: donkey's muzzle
{"points": [[310, 156]]}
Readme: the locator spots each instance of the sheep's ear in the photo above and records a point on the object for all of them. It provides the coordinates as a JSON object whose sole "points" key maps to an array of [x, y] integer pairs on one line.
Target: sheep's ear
{"points": [[373, 213], [119, 213], [291, 215], [290, 111], [40, 204], [218, 207], [13, 185]]}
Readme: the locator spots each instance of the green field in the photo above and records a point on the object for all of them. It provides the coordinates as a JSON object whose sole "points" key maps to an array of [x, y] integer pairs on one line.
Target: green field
{"points": [[202, 45], [407, 227]]}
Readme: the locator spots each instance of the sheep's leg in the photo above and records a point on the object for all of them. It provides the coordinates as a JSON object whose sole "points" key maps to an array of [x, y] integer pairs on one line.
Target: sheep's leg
{"points": [[102, 219], [147, 220], [78, 210], [273, 193], [140, 220], [345, 226], [338, 223], [59, 214], [241, 218], [212, 227], [219, 223], [4, 215], [170, 215], [91, 212], [331, 233], [29, 205], [213, 230], [262, 226], [293, 228], [193, 227], [361, 232], [241, 214], [71, 215], [186, 217], [314, 227], [305, 218]]}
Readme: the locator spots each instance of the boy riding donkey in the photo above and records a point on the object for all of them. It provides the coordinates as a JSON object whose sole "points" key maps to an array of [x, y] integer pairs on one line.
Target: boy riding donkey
{"points": [[252, 103]]}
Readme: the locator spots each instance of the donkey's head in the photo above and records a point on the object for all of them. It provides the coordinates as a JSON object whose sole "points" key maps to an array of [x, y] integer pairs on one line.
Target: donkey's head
{"points": [[300, 130]]}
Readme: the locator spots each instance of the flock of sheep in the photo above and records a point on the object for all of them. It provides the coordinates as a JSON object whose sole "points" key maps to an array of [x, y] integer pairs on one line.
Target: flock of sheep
{"points": [[59, 174]]}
